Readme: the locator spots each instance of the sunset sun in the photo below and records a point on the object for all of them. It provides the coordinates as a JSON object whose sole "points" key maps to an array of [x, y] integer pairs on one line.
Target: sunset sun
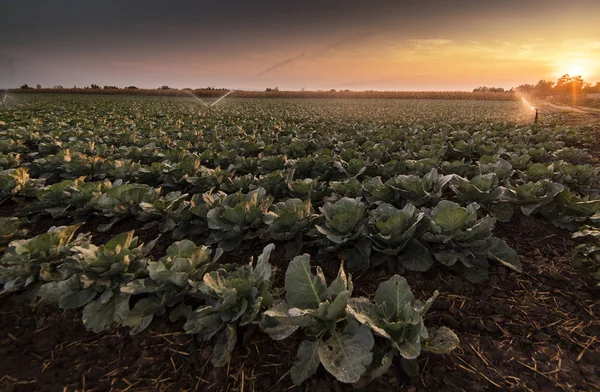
{"points": [[575, 68]]}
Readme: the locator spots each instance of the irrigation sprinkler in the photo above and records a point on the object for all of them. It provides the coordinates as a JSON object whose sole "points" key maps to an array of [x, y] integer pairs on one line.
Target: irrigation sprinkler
{"points": [[206, 105], [530, 106]]}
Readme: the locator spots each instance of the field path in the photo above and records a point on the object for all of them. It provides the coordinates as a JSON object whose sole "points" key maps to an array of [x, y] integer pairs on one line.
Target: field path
{"points": [[576, 109]]}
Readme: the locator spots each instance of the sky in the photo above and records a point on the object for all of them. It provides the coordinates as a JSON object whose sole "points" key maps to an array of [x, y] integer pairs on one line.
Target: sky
{"points": [[307, 44]]}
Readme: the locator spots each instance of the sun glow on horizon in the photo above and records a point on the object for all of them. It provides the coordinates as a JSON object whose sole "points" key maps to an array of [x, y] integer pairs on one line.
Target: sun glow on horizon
{"points": [[574, 68]]}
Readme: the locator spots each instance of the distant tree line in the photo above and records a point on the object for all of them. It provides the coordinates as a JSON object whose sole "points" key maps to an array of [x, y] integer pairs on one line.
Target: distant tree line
{"points": [[485, 89], [566, 85], [94, 86]]}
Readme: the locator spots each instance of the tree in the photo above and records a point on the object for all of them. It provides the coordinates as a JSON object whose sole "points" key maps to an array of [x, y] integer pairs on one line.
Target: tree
{"points": [[569, 84], [543, 88], [595, 89], [39, 86], [25, 87], [526, 89], [486, 89], [94, 87], [572, 87]]}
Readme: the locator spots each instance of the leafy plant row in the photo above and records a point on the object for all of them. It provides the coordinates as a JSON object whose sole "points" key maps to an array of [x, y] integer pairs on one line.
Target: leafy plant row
{"points": [[403, 239], [567, 210], [239, 218], [294, 149], [119, 283], [189, 171]]}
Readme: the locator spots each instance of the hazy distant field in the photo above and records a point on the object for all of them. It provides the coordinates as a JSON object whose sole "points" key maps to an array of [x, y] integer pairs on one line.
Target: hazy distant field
{"points": [[454, 95], [381, 110]]}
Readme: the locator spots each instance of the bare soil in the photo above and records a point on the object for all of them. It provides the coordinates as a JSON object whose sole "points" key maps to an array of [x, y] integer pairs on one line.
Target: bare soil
{"points": [[534, 331]]}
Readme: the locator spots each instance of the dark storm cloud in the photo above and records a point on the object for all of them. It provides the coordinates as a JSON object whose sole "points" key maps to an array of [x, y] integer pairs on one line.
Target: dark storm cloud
{"points": [[35, 23]]}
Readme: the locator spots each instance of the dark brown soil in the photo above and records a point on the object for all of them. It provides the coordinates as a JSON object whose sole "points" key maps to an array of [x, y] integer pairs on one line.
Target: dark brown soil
{"points": [[534, 331], [537, 331], [9, 207]]}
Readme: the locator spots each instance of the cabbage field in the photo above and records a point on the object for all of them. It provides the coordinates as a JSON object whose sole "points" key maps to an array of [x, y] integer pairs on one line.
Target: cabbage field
{"points": [[150, 243]]}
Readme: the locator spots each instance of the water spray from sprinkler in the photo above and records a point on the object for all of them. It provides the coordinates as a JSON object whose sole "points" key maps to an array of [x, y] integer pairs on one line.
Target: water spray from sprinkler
{"points": [[217, 101], [213, 103], [201, 101], [530, 106], [5, 100]]}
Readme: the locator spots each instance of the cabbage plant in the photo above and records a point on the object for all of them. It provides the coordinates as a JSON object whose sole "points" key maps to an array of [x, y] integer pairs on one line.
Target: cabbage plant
{"points": [[572, 210], [391, 229], [420, 190], [92, 276], [271, 163], [275, 183], [342, 220], [493, 164], [535, 196], [347, 188], [456, 235], [26, 262], [11, 229], [377, 192], [460, 168], [319, 309], [289, 219], [243, 183], [353, 168], [191, 221], [10, 160], [238, 218], [124, 169], [168, 278], [160, 211], [588, 253], [17, 182], [70, 198], [580, 177], [484, 190], [537, 172], [306, 188], [573, 155], [207, 179], [422, 167], [338, 329], [233, 297], [123, 200], [395, 315]]}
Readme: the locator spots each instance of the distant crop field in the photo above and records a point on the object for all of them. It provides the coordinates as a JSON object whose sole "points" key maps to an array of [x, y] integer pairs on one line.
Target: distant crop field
{"points": [[275, 93], [265, 244]]}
